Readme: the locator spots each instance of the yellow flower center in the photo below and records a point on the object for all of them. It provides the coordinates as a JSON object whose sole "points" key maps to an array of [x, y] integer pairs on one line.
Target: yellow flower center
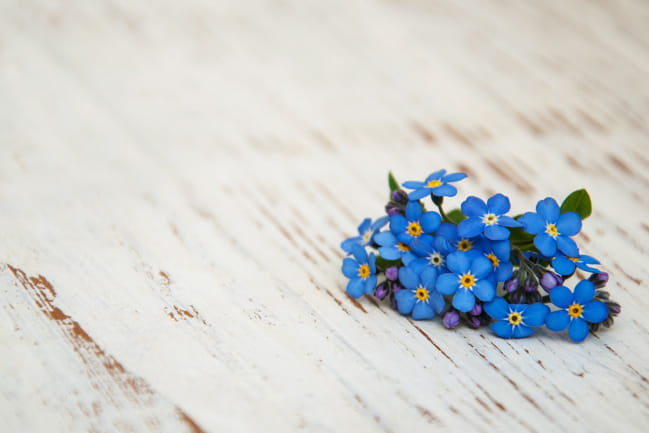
{"points": [[489, 219], [403, 247], [551, 229], [464, 245], [434, 183], [414, 229], [494, 260], [364, 271], [367, 236], [467, 280], [575, 310], [574, 259], [421, 293], [436, 259], [515, 318]]}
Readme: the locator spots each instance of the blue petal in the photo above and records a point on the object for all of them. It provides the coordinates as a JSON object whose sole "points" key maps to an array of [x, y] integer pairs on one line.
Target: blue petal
{"points": [[470, 227], [584, 292], [398, 224], [408, 278], [370, 284], [496, 233], [546, 244], [532, 222], [595, 312], [548, 209], [498, 308], [502, 328], [561, 296], [413, 211], [385, 239], [569, 224], [463, 300], [428, 277], [405, 301], [501, 249], [413, 184], [458, 262], [362, 228], [507, 221], [350, 268], [474, 207], [567, 246], [356, 287], [498, 204], [504, 271], [585, 267], [557, 320], [346, 245], [484, 290], [563, 265], [447, 230], [535, 314], [481, 267], [437, 301], [430, 221], [359, 254], [522, 331], [390, 253], [578, 330], [372, 262], [588, 259], [419, 193], [445, 190], [380, 222], [453, 177], [447, 284], [436, 175], [423, 310]]}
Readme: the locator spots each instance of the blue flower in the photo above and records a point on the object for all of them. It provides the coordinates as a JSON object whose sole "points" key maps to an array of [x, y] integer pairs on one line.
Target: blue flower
{"points": [[419, 296], [415, 224], [392, 248], [486, 218], [515, 320], [366, 232], [577, 310], [436, 183], [432, 252], [552, 228], [565, 265], [498, 253], [449, 232], [361, 271], [468, 278]]}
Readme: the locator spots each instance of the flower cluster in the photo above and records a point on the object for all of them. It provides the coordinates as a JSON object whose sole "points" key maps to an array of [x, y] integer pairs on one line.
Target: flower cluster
{"points": [[478, 265]]}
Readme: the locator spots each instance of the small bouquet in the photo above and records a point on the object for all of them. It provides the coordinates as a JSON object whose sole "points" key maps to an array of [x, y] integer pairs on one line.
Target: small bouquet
{"points": [[477, 265]]}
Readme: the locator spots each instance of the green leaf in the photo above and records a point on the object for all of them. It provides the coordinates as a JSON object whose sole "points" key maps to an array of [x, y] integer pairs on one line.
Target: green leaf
{"points": [[394, 185], [382, 264], [456, 216], [519, 236], [578, 201]]}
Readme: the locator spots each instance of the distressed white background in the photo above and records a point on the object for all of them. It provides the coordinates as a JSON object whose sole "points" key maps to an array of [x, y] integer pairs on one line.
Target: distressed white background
{"points": [[175, 178]]}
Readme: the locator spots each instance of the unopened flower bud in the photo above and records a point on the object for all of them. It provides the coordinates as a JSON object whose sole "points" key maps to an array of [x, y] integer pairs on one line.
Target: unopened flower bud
{"points": [[476, 310], [392, 273], [511, 285], [451, 319], [599, 279], [382, 290], [550, 280]]}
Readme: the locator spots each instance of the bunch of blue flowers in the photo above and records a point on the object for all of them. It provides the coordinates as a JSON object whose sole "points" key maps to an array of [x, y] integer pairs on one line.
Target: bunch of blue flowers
{"points": [[477, 265]]}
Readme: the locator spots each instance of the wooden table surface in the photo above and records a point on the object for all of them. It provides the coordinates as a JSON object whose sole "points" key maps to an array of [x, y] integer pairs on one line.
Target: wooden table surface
{"points": [[176, 177]]}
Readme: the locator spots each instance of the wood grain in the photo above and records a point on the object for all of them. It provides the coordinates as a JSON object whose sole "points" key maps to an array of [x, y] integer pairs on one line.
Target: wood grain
{"points": [[175, 180]]}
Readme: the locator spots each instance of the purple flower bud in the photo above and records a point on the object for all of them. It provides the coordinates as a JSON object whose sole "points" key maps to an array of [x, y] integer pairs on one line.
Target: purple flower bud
{"points": [[473, 322], [614, 309], [451, 319], [516, 297], [599, 279], [382, 290], [399, 196], [550, 280], [511, 285], [530, 286], [477, 309], [393, 210], [392, 273]]}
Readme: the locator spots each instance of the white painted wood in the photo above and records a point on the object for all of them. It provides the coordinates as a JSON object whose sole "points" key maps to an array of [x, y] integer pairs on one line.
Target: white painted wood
{"points": [[175, 180]]}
